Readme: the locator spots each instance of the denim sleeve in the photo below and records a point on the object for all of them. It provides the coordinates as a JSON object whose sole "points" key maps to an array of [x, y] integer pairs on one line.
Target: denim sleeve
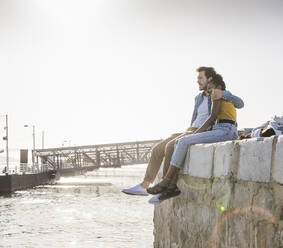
{"points": [[237, 101]]}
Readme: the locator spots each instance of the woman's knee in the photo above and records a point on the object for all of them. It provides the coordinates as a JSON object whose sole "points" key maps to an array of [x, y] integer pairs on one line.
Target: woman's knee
{"points": [[184, 141]]}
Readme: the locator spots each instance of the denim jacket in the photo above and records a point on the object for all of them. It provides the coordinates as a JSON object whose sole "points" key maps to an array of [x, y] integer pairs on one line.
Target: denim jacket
{"points": [[237, 101]]}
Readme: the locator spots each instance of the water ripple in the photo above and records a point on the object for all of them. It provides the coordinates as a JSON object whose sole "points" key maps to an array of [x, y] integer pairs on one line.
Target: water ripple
{"points": [[85, 211]]}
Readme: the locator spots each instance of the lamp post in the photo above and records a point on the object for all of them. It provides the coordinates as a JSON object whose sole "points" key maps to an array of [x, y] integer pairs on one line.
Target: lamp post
{"points": [[33, 142], [7, 147]]}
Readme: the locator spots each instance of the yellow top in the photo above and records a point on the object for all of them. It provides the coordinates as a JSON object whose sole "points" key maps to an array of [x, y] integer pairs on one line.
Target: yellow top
{"points": [[227, 111]]}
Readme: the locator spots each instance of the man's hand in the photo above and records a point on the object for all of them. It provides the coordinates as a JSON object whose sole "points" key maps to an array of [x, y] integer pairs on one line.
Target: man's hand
{"points": [[216, 94]]}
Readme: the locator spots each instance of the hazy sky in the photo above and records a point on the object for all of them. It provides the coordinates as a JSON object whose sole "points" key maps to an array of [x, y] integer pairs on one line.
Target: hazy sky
{"points": [[102, 71]]}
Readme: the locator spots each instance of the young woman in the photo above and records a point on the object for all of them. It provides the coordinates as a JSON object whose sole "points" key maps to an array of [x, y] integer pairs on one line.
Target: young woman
{"points": [[224, 127]]}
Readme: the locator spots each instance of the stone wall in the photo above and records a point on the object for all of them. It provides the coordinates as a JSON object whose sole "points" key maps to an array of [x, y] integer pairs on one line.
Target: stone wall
{"points": [[232, 196]]}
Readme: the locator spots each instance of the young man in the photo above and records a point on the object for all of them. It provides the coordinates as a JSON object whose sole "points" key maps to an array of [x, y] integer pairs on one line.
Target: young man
{"points": [[165, 148]]}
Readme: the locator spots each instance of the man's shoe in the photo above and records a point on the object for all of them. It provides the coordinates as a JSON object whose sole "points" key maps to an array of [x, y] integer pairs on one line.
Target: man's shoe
{"points": [[154, 200], [136, 190]]}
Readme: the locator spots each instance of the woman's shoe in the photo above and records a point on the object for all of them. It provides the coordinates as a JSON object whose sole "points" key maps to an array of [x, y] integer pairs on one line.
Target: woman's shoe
{"points": [[154, 200], [169, 193], [170, 177], [156, 189]]}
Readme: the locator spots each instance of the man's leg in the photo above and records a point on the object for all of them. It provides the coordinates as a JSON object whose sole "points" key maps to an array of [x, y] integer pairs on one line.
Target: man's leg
{"points": [[215, 135], [157, 155], [156, 158]]}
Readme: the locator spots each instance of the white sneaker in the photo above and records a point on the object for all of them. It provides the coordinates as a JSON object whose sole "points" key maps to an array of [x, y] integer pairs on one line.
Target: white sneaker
{"points": [[136, 190], [155, 199]]}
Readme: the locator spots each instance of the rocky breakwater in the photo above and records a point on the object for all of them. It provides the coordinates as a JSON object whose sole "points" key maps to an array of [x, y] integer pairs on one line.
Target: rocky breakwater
{"points": [[232, 196]]}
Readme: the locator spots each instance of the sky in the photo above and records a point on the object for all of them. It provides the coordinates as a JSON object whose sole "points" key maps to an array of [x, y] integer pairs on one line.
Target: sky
{"points": [[89, 72]]}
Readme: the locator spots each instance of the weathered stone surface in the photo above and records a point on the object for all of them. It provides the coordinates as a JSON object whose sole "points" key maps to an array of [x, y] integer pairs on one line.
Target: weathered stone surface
{"points": [[255, 159], [188, 225], [257, 195], [250, 222], [221, 194], [246, 231], [263, 199], [199, 160], [278, 161], [242, 195], [195, 190], [222, 211], [278, 215], [225, 159]]}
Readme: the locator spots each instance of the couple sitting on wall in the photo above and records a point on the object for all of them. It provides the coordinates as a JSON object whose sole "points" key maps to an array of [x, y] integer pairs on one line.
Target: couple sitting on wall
{"points": [[214, 119]]}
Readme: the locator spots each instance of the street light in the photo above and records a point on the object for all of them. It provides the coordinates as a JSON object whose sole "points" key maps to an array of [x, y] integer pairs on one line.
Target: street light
{"points": [[33, 141], [6, 139]]}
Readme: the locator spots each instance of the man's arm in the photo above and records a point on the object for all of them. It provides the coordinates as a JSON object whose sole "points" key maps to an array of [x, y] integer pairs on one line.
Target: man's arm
{"points": [[227, 95], [237, 101]]}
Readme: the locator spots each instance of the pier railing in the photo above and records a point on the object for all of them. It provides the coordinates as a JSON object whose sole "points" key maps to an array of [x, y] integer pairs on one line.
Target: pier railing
{"points": [[96, 156]]}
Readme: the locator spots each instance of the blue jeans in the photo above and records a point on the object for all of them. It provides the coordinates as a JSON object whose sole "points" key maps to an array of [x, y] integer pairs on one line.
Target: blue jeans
{"points": [[219, 132]]}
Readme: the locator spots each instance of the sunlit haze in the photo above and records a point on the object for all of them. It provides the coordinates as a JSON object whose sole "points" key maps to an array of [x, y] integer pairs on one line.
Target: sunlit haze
{"points": [[91, 71]]}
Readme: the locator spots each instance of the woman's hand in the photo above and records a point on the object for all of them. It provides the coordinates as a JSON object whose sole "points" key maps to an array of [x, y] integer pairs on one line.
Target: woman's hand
{"points": [[215, 108], [216, 94]]}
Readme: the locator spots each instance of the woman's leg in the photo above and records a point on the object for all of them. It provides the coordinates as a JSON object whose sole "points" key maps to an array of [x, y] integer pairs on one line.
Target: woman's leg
{"points": [[218, 134], [215, 135], [169, 149], [171, 174]]}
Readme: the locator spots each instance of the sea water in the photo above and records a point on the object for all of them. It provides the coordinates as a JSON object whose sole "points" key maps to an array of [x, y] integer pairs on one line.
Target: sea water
{"points": [[82, 211]]}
